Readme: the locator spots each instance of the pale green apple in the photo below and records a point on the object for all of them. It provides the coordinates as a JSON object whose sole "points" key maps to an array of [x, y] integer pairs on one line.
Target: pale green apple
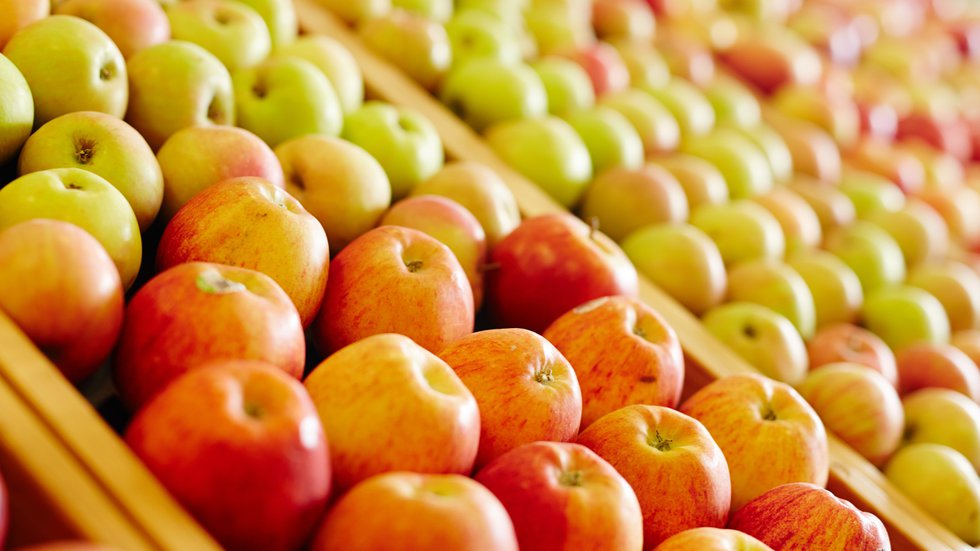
{"points": [[956, 286], [871, 252], [560, 26], [773, 147], [681, 260], [476, 34], [175, 85], [566, 84], [70, 65], [777, 286], [657, 127], [105, 145], [623, 200], [436, 10], [918, 229], [833, 208], [646, 66], [415, 44], [486, 91], [549, 152], [796, 217], [402, 140], [279, 17], [761, 337], [744, 166], [610, 138], [742, 230], [835, 288], [81, 198], [359, 11], [233, 32], [337, 64], [703, 183], [734, 104], [691, 109], [903, 315], [870, 192], [943, 416], [17, 114], [941, 481], [284, 98]]}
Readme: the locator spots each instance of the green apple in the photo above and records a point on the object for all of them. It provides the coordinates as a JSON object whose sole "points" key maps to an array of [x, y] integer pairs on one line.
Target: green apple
{"points": [[835, 288], [657, 127], [796, 217], [871, 252], [941, 481], [233, 32], [703, 183], [943, 416], [279, 17], [744, 165], [436, 10], [17, 115], [106, 146], [337, 64], [549, 152], [833, 208], [918, 229], [681, 260], [81, 198], [761, 337], [903, 315], [610, 138], [175, 85], [734, 104], [476, 34], [690, 107], [70, 65], [560, 26], [773, 147], [956, 286], [357, 12], [487, 91], [777, 286], [870, 192], [623, 200], [742, 230], [415, 44], [284, 98], [566, 84], [647, 68], [402, 140]]}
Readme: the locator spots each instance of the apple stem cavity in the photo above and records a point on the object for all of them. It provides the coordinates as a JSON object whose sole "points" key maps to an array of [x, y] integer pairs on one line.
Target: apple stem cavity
{"points": [[544, 375], [84, 152], [659, 442], [749, 331], [768, 414], [252, 410], [214, 110], [414, 266], [573, 479], [213, 283], [107, 71]]}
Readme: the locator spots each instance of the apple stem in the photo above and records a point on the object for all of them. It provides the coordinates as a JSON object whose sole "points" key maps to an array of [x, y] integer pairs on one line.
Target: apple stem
{"points": [[489, 267], [593, 226]]}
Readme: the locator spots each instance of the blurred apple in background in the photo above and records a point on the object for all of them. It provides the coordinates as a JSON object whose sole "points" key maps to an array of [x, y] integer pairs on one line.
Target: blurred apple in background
{"points": [[903, 315], [943, 416], [624, 200], [605, 67], [81, 198], [789, 442], [843, 342], [773, 284], [476, 34], [733, 103], [486, 91], [744, 166], [812, 149], [796, 217], [761, 337], [898, 166], [742, 230], [698, 539], [773, 147], [280, 17], [646, 66], [770, 57], [835, 288], [355, 13], [833, 208], [929, 365], [838, 116], [943, 172], [566, 84], [960, 209], [687, 103], [336, 63], [918, 229], [87, 74], [17, 118], [19, 14], [658, 129], [436, 10], [233, 32], [683, 261], [415, 44], [558, 26], [631, 20], [131, 24], [956, 286], [610, 138], [688, 58], [412, 413], [703, 183], [968, 342], [870, 192], [871, 252]]}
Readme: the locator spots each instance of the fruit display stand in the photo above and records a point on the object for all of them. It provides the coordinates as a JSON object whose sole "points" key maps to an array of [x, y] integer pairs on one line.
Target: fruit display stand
{"points": [[851, 476]]}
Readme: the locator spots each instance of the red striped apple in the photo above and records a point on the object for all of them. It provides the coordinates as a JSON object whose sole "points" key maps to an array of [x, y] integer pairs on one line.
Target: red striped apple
{"points": [[844, 342], [927, 365], [715, 539], [132, 24]]}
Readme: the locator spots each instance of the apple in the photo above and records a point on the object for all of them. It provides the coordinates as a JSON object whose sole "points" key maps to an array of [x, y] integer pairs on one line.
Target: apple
{"points": [[104, 145], [742, 230], [833, 208], [387, 404], [812, 149], [357, 12], [835, 288], [843, 342], [681, 260], [645, 64], [19, 14], [610, 138], [82, 198], [70, 299], [383, 272], [631, 20], [898, 165], [548, 151], [796, 516], [658, 129], [968, 342], [336, 63], [773, 147], [88, 73], [943, 416], [943, 172], [960, 209], [558, 26], [199, 90], [549, 265], [688, 58], [475, 34], [483, 193], [661, 451], [421, 511], [198, 313], [903, 315], [131, 24], [603, 64], [17, 118], [197, 157], [918, 470], [796, 217], [703, 183], [486, 91], [948, 135], [623, 353], [624, 200], [688, 104], [255, 473], [928, 365], [835, 114], [733, 102], [789, 442], [402, 140], [451, 224], [870, 192], [233, 32], [871, 252], [956, 286], [918, 229], [745, 167], [706, 537], [566, 85], [770, 57], [414, 43], [279, 17], [776, 285], [762, 337]]}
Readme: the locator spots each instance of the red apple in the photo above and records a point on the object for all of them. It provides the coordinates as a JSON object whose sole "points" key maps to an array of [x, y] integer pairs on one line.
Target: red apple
{"points": [[678, 472], [564, 496], [772, 57], [926, 365], [951, 136], [551, 264], [131, 24], [417, 512], [395, 280], [714, 539], [198, 313], [68, 298], [604, 66], [623, 352], [805, 516], [844, 342]]}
